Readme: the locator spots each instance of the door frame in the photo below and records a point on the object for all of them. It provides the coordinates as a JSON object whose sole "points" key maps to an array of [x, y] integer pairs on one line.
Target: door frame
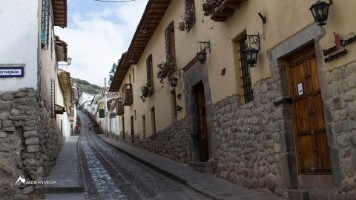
{"points": [[311, 35], [194, 73]]}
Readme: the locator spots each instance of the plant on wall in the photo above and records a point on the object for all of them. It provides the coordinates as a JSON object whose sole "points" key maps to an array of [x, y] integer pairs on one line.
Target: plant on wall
{"points": [[146, 91], [165, 69]]}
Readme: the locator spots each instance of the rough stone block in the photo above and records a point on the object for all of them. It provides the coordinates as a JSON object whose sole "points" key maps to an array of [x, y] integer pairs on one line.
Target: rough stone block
{"points": [[19, 117], [7, 96], [33, 148], [30, 123], [7, 123], [32, 140], [15, 112], [9, 130], [28, 190], [27, 128], [5, 105], [31, 102], [31, 162], [21, 197], [30, 134], [3, 134], [31, 112]]}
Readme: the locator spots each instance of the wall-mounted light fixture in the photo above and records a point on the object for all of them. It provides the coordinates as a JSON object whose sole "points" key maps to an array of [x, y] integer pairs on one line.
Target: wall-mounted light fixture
{"points": [[252, 49], [202, 53], [223, 71], [173, 81], [320, 11], [263, 18]]}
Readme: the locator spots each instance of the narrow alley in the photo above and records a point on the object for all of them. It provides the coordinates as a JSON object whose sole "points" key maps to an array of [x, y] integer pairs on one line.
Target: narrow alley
{"points": [[110, 174]]}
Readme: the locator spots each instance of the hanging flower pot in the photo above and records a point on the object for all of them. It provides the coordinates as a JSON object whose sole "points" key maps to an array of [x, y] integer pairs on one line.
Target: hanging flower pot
{"points": [[181, 26], [146, 90], [207, 7]]}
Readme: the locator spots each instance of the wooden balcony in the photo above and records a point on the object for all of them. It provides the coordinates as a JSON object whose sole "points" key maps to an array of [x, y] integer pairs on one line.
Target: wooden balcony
{"points": [[127, 96], [225, 10]]}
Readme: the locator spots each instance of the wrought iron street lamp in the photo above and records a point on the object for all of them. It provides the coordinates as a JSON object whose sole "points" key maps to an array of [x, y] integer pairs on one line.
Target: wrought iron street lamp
{"points": [[250, 55], [201, 55], [320, 11], [252, 49], [173, 81]]}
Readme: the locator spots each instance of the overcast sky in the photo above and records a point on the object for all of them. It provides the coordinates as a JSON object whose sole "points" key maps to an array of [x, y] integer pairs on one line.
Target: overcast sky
{"points": [[97, 34]]}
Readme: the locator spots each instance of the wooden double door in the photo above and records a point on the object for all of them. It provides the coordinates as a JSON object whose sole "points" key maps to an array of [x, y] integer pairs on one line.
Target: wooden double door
{"points": [[308, 115]]}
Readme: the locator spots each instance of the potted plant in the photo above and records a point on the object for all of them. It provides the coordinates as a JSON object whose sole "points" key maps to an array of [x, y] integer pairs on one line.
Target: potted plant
{"points": [[165, 69], [146, 91], [181, 26], [207, 8]]}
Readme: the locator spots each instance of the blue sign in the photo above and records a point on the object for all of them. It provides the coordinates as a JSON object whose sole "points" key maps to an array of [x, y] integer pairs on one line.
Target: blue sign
{"points": [[11, 72]]}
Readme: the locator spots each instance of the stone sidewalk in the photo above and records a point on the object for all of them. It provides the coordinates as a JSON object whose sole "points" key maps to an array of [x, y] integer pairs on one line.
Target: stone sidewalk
{"points": [[66, 173], [207, 184]]}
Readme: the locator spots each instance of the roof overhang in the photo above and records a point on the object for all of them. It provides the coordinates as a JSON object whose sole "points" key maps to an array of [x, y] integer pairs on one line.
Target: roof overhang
{"points": [[60, 12], [154, 11], [65, 81], [225, 10]]}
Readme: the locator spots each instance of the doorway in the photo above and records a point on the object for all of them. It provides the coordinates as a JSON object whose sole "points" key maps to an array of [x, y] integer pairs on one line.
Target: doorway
{"points": [[203, 139], [132, 130], [310, 138]]}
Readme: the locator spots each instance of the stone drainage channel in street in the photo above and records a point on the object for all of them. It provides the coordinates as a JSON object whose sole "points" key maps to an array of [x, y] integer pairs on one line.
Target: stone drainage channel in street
{"points": [[110, 174]]}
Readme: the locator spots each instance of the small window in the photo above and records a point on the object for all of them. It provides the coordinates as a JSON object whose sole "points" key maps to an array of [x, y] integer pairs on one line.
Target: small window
{"points": [[45, 22], [247, 92], [189, 14], [149, 67], [170, 43]]}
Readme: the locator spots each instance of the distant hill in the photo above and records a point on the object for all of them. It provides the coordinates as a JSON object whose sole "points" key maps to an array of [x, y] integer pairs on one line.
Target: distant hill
{"points": [[85, 86]]}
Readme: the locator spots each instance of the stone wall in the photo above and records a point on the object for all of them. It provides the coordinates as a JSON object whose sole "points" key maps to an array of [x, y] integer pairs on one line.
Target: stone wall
{"points": [[340, 114], [248, 139], [30, 142], [172, 142]]}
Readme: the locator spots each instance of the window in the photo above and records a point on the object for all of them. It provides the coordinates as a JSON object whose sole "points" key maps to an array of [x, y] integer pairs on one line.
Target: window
{"points": [[149, 67], [45, 22], [189, 14], [170, 43], [247, 91]]}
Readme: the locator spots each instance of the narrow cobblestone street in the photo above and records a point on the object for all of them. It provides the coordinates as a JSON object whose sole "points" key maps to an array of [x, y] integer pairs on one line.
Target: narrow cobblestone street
{"points": [[110, 174]]}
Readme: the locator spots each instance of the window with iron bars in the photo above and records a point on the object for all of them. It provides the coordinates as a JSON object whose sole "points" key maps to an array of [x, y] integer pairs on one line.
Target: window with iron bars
{"points": [[170, 43], [45, 22], [245, 73], [149, 67]]}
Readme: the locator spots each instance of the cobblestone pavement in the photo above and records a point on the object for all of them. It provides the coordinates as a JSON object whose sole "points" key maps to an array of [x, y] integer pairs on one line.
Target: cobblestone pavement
{"points": [[110, 174]]}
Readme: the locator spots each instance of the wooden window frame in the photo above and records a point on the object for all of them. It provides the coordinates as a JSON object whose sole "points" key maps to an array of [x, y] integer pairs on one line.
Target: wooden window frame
{"points": [[245, 74]]}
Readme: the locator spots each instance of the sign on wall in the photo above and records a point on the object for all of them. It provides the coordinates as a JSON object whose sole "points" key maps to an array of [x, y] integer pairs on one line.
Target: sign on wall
{"points": [[12, 72]]}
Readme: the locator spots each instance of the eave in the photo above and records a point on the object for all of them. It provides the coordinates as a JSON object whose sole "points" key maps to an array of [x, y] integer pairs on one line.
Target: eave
{"points": [[154, 11], [60, 12], [225, 10], [65, 81]]}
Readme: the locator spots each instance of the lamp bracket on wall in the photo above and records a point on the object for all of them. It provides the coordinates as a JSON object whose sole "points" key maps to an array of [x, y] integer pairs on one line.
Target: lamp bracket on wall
{"points": [[263, 18], [253, 41], [204, 46]]}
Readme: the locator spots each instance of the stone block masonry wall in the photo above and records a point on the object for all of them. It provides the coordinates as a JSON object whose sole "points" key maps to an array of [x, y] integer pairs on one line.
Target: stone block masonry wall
{"points": [[248, 139], [172, 142], [340, 114], [30, 142]]}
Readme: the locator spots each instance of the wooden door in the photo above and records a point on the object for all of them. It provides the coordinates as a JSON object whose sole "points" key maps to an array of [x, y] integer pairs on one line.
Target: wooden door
{"points": [[308, 115], [132, 130], [202, 126]]}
